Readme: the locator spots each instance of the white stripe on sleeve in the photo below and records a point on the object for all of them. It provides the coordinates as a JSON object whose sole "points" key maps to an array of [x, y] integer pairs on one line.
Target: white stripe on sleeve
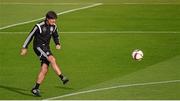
{"points": [[29, 37]]}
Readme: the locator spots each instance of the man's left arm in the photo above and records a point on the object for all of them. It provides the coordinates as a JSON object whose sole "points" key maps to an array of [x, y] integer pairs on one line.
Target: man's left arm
{"points": [[56, 38]]}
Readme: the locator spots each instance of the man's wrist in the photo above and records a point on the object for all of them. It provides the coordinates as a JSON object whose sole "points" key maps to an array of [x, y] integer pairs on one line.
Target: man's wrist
{"points": [[24, 47], [58, 44]]}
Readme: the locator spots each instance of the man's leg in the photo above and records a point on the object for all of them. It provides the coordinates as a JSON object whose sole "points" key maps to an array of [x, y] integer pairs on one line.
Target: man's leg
{"points": [[42, 73], [56, 68], [40, 78]]}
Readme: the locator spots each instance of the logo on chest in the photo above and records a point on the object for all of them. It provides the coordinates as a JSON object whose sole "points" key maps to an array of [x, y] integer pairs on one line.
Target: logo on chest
{"points": [[51, 29], [48, 30]]}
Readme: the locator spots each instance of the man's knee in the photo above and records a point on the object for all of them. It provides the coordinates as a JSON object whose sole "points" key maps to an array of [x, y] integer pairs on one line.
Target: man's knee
{"points": [[51, 59]]}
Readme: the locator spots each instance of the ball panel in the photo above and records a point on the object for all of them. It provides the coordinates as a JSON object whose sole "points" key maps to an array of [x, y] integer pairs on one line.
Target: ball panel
{"points": [[137, 54]]}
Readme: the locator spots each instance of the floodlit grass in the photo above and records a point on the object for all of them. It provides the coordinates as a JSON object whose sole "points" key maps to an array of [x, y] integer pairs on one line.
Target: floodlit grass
{"points": [[95, 60]]}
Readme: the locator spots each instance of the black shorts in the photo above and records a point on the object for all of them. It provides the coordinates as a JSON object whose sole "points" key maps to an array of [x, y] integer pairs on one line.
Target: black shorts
{"points": [[43, 52]]}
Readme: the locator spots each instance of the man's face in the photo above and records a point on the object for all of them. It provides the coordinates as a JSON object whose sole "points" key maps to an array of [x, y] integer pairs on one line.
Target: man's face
{"points": [[51, 21]]}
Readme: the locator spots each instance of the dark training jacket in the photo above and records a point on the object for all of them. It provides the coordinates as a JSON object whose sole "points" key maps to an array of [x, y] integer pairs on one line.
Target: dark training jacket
{"points": [[42, 35]]}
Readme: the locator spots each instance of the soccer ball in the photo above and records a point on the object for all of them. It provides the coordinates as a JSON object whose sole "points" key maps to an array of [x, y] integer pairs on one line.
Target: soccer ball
{"points": [[137, 54]]}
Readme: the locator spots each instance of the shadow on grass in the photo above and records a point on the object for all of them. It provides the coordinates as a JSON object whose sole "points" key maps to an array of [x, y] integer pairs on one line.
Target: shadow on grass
{"points": [[64, 87], [16, 90]]}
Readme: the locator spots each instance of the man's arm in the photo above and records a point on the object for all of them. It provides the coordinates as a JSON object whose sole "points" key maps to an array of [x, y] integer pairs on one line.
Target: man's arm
{"points": [[30, 37], [28, 40], [56, 39]]}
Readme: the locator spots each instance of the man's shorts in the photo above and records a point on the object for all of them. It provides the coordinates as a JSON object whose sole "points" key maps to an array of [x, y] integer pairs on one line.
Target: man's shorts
{"points": [[43, 52]]}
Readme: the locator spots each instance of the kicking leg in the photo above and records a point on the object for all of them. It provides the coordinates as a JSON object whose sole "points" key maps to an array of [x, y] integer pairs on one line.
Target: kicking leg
{"points": [[56, 68]]}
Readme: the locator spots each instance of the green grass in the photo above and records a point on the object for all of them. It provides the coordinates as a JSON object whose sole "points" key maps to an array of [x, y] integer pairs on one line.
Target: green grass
{"points": [[95, 60], [145, 92]]}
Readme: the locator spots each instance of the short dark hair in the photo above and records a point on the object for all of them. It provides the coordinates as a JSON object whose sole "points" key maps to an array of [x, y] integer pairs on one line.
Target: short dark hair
{"points": [[51, 15]]}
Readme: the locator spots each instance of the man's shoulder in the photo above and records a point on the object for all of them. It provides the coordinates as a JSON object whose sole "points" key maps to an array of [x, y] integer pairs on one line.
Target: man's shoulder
{"points": [[40, 23]]}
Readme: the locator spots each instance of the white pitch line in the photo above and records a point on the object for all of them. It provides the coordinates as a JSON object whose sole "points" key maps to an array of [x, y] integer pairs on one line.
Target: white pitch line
{"points": [[30, 3], [100, 32], [123, 3], [113, 87], [103, 32], [144, 3], [61, 13]]}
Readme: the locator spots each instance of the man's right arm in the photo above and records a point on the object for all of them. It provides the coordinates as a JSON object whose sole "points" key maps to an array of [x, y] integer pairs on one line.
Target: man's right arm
{"points": [[28, 40], [30, 37]]}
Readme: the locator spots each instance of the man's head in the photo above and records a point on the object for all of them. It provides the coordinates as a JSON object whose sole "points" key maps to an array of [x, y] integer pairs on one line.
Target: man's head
{"points": [[51, 17]]}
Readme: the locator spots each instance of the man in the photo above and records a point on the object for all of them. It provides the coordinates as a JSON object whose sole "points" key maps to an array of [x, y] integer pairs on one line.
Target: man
{"points": [[42, 33]]}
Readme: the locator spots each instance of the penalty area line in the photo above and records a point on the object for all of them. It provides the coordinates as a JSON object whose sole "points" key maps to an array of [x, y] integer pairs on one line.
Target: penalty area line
{"points": [[61, 13], [73, 3], [99, 32], [113, 87], [133, 3], [30, 3]]}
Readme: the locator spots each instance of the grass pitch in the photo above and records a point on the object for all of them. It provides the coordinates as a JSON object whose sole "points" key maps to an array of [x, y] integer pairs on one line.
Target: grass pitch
{"points": [[96, 49]]}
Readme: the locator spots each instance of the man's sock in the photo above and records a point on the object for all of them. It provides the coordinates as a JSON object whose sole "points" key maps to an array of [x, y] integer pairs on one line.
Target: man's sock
{"points": [[61, 76], [37, 86]]}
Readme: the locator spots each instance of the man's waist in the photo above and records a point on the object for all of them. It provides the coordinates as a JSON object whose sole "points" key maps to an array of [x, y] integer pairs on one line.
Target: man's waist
{"points": [[41, 45]]}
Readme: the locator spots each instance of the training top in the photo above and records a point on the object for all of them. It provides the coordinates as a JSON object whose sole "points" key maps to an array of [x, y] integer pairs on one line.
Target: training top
{"points": [[42, 33]]}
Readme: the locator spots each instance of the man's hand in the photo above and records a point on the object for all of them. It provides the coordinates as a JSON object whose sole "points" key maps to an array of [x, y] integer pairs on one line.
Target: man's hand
{"points": [[58, 47], [23, 51]]}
